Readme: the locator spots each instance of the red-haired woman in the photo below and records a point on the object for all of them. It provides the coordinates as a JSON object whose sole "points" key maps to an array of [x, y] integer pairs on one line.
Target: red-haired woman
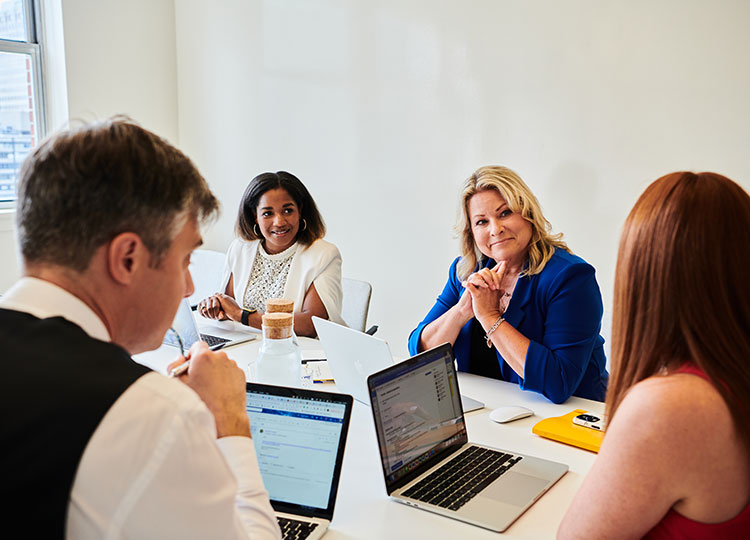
{"points": [[675, 461]]}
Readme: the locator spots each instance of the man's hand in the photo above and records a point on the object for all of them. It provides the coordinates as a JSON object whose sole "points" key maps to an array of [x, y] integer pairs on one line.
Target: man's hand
{"points": [[221, 385]]}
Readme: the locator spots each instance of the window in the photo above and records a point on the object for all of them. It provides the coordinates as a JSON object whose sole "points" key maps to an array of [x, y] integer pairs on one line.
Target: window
{"points": [[21, 98]]}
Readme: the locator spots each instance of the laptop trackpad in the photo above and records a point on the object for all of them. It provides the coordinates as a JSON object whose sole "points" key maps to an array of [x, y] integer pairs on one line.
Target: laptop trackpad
{"points": [[515, 488]]}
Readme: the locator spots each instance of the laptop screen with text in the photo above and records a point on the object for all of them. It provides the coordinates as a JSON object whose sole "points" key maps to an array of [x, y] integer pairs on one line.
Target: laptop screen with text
{"points": [[299, 439], [417, 411]]}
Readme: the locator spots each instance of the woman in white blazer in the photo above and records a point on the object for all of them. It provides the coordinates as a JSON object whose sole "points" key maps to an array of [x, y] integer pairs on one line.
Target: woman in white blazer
{"points": [[279, 253]]}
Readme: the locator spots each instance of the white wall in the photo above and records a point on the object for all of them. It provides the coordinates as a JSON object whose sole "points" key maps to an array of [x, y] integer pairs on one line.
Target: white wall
{"points": [[120, 59], [384, 108]]}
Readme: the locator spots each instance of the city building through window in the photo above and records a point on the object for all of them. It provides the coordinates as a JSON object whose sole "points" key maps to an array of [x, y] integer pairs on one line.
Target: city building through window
{"points": [[21, 97]]}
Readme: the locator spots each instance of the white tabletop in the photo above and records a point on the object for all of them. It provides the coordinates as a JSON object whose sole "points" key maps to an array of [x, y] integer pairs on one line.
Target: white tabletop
{"points": [[364, 510]]}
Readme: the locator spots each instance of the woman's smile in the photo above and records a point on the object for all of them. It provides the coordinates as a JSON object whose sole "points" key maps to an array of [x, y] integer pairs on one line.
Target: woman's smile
{"points": [[499, 233]]}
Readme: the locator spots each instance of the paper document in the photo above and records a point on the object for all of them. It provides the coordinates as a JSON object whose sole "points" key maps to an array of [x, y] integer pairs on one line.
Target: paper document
{"points": [[318, 370]]}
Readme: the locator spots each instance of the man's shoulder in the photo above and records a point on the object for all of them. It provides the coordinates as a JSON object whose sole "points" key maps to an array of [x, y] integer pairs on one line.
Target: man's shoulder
{"points": [[155, 395], [26, 330], [10, 315]]}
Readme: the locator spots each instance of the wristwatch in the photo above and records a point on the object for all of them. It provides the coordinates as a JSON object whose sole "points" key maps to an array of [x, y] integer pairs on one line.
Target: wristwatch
{"points": [[246, 315]]}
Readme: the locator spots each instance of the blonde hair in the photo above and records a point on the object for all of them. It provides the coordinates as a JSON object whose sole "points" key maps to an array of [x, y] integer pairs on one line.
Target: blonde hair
{"points": [[521, 200]]}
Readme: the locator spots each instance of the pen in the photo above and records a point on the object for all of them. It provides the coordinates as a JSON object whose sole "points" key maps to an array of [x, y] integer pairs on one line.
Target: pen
{"points": [[182, 368], [179, 370]]}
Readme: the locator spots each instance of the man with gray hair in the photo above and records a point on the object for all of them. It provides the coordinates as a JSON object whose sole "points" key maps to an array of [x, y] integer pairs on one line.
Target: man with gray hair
{"points": [[95, 445]]}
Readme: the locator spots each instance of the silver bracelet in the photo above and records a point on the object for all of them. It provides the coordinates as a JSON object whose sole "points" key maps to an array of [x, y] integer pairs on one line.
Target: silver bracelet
{"points": [[498, 322]]}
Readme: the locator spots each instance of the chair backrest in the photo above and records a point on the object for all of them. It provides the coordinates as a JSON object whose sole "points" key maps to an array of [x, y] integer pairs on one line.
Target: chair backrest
{"points": [[207, 269], [356, 303]]}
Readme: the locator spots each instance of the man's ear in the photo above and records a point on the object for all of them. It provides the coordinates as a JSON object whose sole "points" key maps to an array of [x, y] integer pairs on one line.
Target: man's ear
{"points": [[126, 254]]}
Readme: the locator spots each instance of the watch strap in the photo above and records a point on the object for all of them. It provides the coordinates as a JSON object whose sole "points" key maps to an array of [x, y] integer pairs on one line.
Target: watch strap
{"points": [[245, 319]]}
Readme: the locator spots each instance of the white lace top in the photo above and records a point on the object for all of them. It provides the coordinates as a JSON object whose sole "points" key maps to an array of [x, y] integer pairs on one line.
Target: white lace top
{"points": [[268, 277], [318, 264]]}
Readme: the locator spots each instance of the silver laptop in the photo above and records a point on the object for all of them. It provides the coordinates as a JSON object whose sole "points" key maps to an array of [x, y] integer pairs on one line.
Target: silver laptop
{"points": [[352, 356], [299, 436], [427, 459], [185, 326]]}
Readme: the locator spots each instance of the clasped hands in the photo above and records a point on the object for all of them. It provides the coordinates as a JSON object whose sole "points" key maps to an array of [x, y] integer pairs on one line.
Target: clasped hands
{"points": [[484, 293], [220, 307]]}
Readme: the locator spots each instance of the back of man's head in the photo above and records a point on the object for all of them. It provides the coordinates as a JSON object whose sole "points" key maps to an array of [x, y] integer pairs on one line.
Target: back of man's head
{"points": [[80, 188]]}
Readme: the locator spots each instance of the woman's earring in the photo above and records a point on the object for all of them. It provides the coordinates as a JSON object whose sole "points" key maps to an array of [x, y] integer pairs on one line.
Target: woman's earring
{"points": [[255, 230], [304, 224]]}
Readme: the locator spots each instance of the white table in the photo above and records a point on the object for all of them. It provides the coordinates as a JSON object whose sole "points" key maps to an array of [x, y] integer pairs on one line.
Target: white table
{"points": [[364, 510]]}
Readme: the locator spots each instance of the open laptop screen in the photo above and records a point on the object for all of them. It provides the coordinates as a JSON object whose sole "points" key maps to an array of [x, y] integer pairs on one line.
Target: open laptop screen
{"points": [[417, 410], [299, 437], [184, 325]]}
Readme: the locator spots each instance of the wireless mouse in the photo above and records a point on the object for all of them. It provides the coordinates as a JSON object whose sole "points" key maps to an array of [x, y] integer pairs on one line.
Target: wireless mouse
{"points": [[510, 413]]}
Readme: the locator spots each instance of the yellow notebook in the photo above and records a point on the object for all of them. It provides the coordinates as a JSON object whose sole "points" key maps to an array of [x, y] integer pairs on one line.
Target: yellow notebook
{"points": [[562, 428]]}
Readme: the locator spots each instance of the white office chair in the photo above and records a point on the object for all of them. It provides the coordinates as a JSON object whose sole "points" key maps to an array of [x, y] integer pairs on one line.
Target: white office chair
{"points": [[207, 269], [356, 303]]}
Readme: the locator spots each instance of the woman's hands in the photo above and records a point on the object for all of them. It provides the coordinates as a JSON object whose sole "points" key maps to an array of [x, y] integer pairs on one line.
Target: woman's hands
{"points": [[484, 288], [465, 306], [487, 289], [220, 307], [481, 300]]}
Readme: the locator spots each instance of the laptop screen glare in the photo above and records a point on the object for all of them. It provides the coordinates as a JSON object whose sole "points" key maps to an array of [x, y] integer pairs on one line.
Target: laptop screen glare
{"points": [[419, 413]]}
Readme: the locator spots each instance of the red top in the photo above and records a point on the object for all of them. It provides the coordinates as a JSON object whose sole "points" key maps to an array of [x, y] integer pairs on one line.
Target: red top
{"points": [[675, 526]]}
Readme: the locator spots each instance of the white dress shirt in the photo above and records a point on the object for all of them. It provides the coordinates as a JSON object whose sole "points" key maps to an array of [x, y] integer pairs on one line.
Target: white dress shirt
{"points": [[154, 467]]}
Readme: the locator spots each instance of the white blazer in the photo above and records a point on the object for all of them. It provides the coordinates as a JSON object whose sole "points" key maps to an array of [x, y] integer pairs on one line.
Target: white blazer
{"points": [[318, 263]]}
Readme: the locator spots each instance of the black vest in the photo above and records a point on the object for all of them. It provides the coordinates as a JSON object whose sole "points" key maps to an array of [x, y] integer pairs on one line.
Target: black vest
{"points": [[56, 384]]}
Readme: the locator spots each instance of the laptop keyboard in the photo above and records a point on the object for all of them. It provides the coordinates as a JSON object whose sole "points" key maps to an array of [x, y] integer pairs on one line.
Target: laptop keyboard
{"points": [[213, 340], [463, 477], [291, 529]]}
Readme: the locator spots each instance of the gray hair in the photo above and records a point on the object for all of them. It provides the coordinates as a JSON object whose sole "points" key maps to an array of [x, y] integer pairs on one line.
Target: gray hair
{"points": [[82, 187]]}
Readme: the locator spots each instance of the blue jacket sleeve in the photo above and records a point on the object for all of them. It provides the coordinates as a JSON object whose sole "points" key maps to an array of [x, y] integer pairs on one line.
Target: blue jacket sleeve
{"points": [[447, 299], [556, 366]]}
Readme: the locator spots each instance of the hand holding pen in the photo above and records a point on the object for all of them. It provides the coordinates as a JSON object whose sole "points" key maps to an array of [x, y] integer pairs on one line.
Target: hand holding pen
{"points": [[219, 383], [183, 367]]}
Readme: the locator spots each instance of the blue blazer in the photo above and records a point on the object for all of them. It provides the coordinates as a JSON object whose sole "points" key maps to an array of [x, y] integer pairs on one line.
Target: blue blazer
{"points": [[560, 311]]}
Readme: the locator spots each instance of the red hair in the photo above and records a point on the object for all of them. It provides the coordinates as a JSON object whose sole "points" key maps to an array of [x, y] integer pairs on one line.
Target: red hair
{"points": [[682, 289]]}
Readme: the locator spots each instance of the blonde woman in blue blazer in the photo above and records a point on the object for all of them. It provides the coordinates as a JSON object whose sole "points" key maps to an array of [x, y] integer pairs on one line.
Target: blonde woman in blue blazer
{"points": [[518, 306]]}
